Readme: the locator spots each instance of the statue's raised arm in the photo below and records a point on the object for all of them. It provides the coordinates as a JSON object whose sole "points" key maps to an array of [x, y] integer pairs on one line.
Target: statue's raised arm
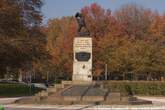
{"points": [[81, 24]]}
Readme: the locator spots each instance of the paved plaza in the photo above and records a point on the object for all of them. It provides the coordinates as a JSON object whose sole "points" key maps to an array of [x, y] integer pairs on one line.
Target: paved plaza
{"points": [[159, 104], [83, 107]]}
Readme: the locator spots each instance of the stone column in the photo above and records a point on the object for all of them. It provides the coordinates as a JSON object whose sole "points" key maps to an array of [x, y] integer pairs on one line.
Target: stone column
{"points": [[82, 64]]}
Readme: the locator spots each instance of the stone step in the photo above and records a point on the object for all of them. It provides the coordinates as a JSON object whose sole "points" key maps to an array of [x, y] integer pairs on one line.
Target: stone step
{"points": [[136, 101], [67, 93], [75, 90], [85, 92], [58, 86], [93, 98], [113, 96], [51, 90], [61, 90], [41, 96], [66, 83], [78, 82]]}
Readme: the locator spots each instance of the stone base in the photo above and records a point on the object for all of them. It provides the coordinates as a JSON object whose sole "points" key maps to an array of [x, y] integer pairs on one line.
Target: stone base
{"points": [[85, 92], [69, 92], [81, 78]]}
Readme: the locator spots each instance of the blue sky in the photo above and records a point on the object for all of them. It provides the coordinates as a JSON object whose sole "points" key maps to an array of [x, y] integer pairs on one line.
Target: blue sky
{"points": [[59, 8]]}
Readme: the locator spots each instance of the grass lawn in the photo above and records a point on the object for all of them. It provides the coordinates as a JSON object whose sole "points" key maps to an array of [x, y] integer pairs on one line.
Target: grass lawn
{"points": [[17, 90]]}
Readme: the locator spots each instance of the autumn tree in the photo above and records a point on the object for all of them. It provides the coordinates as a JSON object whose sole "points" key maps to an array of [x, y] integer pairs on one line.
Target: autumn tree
{"points": [[22, 40], [102, 26], [60, 44], [131, 40], [135, 19], [157, 26]]}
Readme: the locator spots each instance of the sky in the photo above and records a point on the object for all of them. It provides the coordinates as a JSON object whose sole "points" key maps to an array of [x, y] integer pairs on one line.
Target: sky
{"points": [[59, 8]]}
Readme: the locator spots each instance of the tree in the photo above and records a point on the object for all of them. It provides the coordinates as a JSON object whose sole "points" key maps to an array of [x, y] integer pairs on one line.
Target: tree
{"points": [[135, 19], [148, 59], [102, 26], [100, 21], [129, 41], [22, 40], [60, 33], [158, 25]]}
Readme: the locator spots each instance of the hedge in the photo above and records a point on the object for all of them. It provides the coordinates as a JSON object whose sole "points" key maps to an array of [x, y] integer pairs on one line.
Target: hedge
{"points": [[13, 90], [137, 87]]}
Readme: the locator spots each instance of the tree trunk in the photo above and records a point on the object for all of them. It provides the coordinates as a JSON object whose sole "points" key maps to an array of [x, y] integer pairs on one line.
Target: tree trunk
{"points": [[98, 78], [20, 75], [123, 76], [135, 77], [148, 76]]}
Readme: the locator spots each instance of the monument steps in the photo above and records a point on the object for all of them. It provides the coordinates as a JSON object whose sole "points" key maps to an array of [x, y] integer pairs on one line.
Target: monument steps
{"points": [[85, 93], [59, 90], [71, 93]]}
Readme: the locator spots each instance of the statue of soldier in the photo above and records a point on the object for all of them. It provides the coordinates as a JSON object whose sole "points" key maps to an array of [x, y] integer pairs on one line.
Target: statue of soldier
{"points": [[81, 24]]}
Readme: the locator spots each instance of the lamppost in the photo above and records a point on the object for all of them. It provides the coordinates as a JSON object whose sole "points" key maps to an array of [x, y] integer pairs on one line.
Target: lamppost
{"points": [[106, 72]]}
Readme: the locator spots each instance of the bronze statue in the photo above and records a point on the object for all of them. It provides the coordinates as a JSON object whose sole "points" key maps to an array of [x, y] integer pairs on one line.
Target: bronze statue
{"points": [[81, 24]]}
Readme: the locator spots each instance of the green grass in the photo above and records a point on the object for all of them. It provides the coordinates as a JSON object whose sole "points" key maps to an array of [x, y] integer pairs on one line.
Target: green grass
{"points": [[13, 90], [1, 107], [147, 88]]}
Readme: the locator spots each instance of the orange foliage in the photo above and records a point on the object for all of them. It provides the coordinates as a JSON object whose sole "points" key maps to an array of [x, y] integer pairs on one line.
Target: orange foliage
{"points": [[110, 33], [158, 25]]}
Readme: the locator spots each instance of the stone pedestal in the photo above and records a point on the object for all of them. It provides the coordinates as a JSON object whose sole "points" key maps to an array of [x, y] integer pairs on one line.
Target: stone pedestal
{"points": [[82, 64]]}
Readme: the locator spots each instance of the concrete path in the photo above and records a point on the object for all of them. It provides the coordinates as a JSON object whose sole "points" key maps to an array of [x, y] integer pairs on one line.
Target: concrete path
{"points": [[159, 104], [9, 100], [82, 107], [155, 100]]}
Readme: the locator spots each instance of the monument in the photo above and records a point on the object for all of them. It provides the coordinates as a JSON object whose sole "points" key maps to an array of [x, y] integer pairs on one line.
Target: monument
{"points": [[68, 92], [82, 49]]}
